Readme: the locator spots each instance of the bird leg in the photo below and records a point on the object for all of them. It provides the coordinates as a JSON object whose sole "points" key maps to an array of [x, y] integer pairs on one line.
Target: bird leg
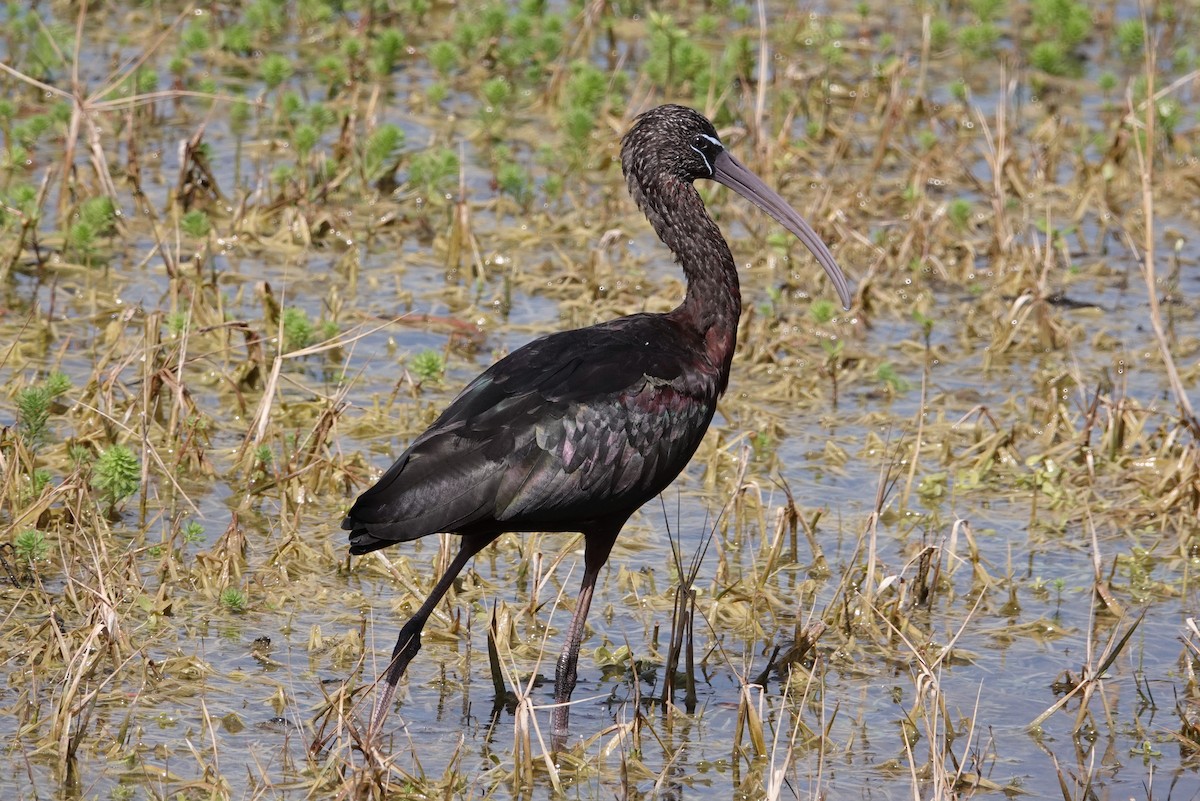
{"points": [[409, 641], [597, 545]]}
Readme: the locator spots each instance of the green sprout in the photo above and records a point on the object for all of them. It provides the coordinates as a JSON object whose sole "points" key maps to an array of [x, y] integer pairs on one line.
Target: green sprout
{"points": [[1051, 58], [822, 310], [238, 39], [959, 212], [978, 40], [33, 414], [894, 382], [274, 70], [305, 139], [297, 328], [195, 37], [387, 49], [195, 224], [1130, 39], [57, 383], [380, 149], [116, 474], [514, 180], [233, 599], [496, 91], [1065, 21], [31, 545], [444, 57], [432, 169], [428, 366], [100, 213], [193, 532], [939, 33]]}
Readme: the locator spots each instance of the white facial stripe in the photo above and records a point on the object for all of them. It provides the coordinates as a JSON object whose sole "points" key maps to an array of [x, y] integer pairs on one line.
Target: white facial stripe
{"points": [[707, 163]]}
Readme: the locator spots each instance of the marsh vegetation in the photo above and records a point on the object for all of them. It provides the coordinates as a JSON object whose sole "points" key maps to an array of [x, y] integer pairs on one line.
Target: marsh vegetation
{"points": [[941, 546]]}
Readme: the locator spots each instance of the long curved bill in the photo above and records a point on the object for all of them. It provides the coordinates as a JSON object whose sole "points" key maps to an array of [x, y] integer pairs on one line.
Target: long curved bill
{"points": [[729, 171]]}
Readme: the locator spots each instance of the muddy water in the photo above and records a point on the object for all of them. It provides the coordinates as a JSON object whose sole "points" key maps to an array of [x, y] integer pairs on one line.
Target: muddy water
{"points": [[206, 711]]}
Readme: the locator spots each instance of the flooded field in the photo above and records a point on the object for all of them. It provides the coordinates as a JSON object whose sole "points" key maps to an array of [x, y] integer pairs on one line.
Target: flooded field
{"points": [[942, 545]]}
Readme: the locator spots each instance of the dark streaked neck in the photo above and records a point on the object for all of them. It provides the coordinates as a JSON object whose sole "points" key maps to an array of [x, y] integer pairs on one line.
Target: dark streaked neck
{"points": [[714, 301]]}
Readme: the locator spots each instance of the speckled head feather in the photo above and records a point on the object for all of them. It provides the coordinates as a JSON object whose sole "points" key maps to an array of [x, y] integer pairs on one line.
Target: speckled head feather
{"points": [[669, 140]]}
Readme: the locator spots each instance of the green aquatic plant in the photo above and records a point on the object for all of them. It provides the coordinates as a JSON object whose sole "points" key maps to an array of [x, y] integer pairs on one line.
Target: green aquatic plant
{"points": [[822, 310], [31, 545], [195, 37], [432, 171], [237, 39], [57, 383], [34, 404], [193, 532], [177, 323], [386, 50], [297, 328], [333, 71], [305, 138], [275, 69], [1051, 58], [428, 366], [674, 59], [444, 57], [892, 380], [116, 474], [958, 211], [96, 217], [33, 413], [1130, 39], [379, 151], [587, 86], [100, 214], [195, 223], [977, 41], [1064, 21], [514, 180], [234, 600], [940, 33], [986, 10]]}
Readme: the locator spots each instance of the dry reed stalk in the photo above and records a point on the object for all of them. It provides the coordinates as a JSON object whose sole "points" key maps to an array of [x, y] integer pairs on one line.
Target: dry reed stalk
{"points": [[1147, 261]]}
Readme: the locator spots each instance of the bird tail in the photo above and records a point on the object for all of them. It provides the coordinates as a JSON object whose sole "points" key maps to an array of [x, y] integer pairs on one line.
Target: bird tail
{"points": [[367, 537]]}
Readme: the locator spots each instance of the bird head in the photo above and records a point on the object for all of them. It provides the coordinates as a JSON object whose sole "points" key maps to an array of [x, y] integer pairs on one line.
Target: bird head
{"points": [[672, 145], [674, 140]]}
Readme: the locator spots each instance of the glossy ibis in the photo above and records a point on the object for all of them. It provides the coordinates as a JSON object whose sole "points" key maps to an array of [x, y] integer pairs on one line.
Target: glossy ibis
{"points": [[576, 430]]}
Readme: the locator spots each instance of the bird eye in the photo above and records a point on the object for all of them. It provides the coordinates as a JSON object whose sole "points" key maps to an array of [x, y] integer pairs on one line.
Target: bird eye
{"points": [[703, 146]]}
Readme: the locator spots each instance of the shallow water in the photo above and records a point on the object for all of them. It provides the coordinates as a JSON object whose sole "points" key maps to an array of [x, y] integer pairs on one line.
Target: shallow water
{"points": [[192, 708]]}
